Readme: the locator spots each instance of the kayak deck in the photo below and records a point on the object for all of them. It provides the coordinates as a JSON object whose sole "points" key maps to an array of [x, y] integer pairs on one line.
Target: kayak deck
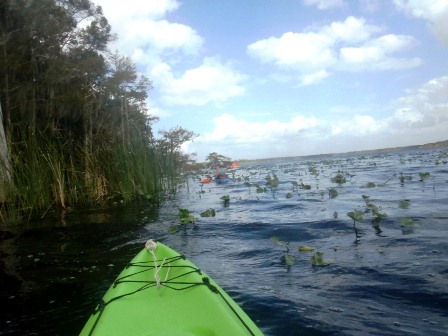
{"points": [[166, 294]]}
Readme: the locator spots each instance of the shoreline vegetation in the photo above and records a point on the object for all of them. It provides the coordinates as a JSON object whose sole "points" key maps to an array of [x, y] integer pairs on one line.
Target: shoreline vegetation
{"points": [[75, 130]]}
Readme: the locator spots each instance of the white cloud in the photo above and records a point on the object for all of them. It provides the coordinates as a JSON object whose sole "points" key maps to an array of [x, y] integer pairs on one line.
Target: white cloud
{"points": [[420, 116], [424, 108], [337, 46], [211, 82], [357, 125], [314, 77], [116, 10], [144, 33], [162, 36], [434, 11], [228, 127], [295, 49], [375, 54], [159, 112], [325, 4]]}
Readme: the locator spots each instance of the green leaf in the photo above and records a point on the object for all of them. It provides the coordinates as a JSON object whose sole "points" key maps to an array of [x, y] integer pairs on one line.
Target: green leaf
{"points": [[225, 198], [355, 215], [333, 192], [209, 213], [303, 248], [369, 185], [289, 195], [187, 220], [424, 176], [289, 259], [184, 213], [339, 179], [305, 186], [185, 217], [406, 222], [404, 204], [275, 239], [260, 190], [318, 260], [172, 229]]}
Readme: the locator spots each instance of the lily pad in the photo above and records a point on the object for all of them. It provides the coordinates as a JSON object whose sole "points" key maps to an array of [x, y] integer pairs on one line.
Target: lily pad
{"points": [[185, 217]]}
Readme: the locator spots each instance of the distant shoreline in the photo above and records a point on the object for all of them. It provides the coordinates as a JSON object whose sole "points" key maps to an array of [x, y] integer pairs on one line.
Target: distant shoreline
{"points": [[432, 145]]}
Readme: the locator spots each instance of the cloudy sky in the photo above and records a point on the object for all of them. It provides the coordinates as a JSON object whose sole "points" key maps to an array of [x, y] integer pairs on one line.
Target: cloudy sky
{"points": [[270, 78]]}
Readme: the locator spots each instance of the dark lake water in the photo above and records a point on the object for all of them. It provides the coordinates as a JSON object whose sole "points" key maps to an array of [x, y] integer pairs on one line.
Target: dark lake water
{"points": [[383, 277]]}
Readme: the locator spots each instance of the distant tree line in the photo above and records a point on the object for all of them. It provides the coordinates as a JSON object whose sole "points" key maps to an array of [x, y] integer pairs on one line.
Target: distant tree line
{"points": [[75, 125]]}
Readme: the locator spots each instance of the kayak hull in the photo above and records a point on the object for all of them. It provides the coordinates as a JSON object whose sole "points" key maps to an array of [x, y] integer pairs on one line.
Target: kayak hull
{"points": [[184, 301], [222, 180]]}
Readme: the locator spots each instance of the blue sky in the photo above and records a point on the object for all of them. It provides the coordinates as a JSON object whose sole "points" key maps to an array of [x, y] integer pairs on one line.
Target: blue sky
{"points": [[260, 79]]}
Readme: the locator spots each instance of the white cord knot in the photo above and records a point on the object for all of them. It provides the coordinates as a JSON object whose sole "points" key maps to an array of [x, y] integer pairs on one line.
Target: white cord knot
{"points": [[151, 245]]}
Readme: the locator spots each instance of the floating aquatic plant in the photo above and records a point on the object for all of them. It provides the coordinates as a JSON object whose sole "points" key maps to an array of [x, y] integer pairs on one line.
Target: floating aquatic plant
{"points": [[369, 185], [366, 199], [295, 185], [313, 170], [275, 239], [356, 215], [318, 260], [289, 195], [172, 229], [332, 192], [404, 178], [225, 198], [305, 186], [339, 179], [424, 176], [209, 213], [304, 248], [406, 222], [404, 204], [289, 259], [272, 182], [259, 189], [185, 217]]}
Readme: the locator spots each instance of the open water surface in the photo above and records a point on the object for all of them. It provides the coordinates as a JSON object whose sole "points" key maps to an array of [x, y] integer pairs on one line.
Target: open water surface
{"points": [[386, 277]]}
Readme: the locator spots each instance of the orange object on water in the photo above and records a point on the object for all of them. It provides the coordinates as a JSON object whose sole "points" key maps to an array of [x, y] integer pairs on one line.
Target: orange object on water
{"points": [[234, 165], [207, 180]]}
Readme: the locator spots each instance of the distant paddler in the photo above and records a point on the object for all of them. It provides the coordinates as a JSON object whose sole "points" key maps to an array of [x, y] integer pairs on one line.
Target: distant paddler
{"points": [[221, 171]]}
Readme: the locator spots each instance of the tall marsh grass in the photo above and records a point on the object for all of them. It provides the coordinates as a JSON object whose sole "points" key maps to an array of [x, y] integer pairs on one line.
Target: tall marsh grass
{"points": [[50, 172]]}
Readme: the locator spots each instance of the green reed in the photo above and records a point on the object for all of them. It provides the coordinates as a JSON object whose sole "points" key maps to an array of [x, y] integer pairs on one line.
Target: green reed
{"points": [[52, 172]]}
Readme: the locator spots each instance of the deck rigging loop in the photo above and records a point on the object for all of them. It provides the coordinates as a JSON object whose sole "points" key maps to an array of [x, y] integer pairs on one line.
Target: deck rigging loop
{"points": [[151, 246]]}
